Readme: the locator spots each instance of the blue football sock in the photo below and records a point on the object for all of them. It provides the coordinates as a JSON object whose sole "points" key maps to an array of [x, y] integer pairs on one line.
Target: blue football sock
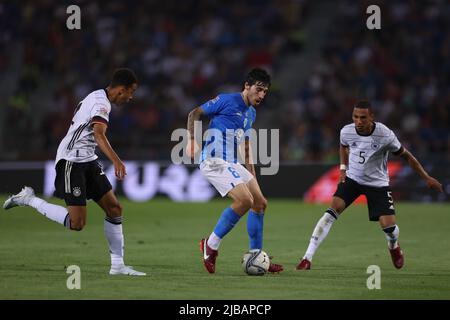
{"points": [[226, 222], [255, 226]]}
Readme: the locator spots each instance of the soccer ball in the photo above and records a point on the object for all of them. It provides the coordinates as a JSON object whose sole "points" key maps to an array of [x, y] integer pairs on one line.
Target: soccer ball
{"points": [[255, 263]]}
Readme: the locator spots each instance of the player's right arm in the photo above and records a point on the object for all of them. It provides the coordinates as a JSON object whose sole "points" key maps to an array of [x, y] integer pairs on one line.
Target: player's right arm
{"points": [[192, 146], [104, 145], [343, 156], [210, 109]]}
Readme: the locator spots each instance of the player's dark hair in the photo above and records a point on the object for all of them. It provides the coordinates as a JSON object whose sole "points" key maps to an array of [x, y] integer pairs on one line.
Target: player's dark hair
{"points": [[363, 104], [123, 77], [257, 75]]}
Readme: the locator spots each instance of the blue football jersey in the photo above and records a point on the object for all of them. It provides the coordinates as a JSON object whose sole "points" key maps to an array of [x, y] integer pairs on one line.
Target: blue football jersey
{"points": [[230, 120]]}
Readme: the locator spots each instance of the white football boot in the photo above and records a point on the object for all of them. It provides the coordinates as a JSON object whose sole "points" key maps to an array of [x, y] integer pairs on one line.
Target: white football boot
{"points": [[20, 199], [126, 270]]}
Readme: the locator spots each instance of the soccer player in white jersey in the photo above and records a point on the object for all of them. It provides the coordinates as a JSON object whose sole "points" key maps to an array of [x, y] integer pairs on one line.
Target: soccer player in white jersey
{"points": [[79, 176], [364, 150]]}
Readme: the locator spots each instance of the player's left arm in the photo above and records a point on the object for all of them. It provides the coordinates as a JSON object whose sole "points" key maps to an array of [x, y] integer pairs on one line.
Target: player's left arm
{"points": [[99, 129], [415, 164], [248, 156]]}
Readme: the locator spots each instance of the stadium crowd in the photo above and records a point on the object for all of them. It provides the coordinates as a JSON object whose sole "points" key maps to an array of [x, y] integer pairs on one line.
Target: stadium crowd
{"points": [[403, 69], [185, 52]]}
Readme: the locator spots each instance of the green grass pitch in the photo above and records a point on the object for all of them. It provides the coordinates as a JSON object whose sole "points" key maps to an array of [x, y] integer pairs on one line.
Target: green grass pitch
{"points": [[161, 238]]}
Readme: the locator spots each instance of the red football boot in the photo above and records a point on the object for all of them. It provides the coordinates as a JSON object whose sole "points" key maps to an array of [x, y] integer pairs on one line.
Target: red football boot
{"points": [[304, 265], [209, 256], [275, 268], [397, 257]]}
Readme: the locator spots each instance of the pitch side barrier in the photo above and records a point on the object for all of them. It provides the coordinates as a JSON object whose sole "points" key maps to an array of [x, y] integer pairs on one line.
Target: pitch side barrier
{"points": [[146, 179]]}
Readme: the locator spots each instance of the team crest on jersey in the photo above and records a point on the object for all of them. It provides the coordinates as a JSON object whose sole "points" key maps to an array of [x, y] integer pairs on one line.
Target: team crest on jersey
{"points": [[76, 191], [375, 146]]}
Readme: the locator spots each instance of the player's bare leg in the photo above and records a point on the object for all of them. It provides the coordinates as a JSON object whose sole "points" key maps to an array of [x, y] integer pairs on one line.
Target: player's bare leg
{"points": [[255, 221], [392, 231], [77, 217], [242, 199], [321, 231], [114, 234], [242, 202]]}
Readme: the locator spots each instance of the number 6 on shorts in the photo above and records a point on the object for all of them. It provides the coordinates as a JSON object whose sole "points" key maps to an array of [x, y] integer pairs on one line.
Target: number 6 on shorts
{"points": [[234, 173]]}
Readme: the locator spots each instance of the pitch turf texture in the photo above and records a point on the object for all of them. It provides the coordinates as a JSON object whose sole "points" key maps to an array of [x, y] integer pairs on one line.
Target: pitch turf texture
{"points": [[161, 238]]}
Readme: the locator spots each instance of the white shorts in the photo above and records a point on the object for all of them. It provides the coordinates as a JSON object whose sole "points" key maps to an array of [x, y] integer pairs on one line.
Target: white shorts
{"points": [[224, 175]]}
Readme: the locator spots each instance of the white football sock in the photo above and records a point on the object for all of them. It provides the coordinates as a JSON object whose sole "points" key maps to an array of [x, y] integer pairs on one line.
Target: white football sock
{"points": [[392, 234], [114, 235], [214, 241], [52, 211], [320, 232]]}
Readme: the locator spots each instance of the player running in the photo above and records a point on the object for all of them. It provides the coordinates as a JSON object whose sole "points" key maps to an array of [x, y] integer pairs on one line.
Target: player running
{"points": [[79, 176], [364, 150], [235, 113]]}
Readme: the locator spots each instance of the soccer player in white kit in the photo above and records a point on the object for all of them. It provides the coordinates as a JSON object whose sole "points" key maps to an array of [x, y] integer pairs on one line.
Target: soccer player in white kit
{"points": [[364, 150], [79, 176]]}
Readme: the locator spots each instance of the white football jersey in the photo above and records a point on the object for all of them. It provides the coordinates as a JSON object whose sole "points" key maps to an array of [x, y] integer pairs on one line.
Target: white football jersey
{"points": [[79, 143], [367, 163]]}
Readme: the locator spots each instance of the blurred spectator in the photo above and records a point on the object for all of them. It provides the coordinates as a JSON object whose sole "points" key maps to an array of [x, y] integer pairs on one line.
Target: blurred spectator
{"points": [[183, 52], [403, 69]]}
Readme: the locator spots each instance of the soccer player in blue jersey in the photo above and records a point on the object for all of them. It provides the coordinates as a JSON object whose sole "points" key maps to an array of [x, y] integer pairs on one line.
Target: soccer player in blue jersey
{"points": [[232, 115]]}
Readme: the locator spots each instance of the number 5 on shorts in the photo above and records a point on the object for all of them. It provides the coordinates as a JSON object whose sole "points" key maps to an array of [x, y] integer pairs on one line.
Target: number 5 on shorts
{"points": [[234, 173], [389, 194]]}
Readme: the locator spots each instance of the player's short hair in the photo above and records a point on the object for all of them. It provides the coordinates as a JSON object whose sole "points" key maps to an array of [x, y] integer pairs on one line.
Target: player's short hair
{"points": [[123, 77], [363, 104], [257, 75]]}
